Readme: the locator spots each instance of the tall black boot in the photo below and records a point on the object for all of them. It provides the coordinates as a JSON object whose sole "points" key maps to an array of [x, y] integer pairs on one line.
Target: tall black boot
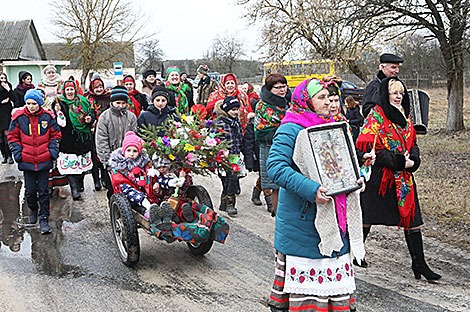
{"points": [[223, 203], [414, 240], [74, 186], [255, 197], [81, 185], [269, 204], [95, 173]]}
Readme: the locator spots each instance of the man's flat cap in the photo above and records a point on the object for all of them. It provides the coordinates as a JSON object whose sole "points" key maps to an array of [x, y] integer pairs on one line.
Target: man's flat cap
{"points": [[390, 58]]}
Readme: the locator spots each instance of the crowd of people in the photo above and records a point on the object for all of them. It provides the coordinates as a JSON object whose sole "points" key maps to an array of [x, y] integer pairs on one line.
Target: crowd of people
{"points": [[57, 134]]}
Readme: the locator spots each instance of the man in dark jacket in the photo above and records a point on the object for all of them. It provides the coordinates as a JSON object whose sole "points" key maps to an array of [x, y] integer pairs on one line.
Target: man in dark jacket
{"points": [[389, 67]]}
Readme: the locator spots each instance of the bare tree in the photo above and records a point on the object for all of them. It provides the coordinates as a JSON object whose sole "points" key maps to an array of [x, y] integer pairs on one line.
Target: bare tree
{"points": [[446, 21], [95, 31], [319, 25], [149, 55], [224, 52]]}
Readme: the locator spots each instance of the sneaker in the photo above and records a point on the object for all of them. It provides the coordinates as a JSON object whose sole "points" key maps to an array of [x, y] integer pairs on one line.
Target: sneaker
{"points": [[188, 214], [44, 226], [33, 217]]}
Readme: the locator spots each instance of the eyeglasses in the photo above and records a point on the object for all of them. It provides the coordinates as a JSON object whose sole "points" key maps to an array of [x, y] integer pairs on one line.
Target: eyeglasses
{"points": [[280, 87], [396, 93]]}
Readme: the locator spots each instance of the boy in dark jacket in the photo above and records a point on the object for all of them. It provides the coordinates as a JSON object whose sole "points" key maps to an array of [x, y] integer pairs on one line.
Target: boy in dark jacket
{"points": [[34, 138], [229, 124]]}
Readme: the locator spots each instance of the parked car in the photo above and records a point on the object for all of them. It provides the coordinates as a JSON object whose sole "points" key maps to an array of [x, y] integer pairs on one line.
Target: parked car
{"points": [[349, 88]]}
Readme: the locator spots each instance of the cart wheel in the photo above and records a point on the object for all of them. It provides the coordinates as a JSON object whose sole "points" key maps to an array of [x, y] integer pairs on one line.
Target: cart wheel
{"points": [[200, 249], [124, 229], [199, 194]]}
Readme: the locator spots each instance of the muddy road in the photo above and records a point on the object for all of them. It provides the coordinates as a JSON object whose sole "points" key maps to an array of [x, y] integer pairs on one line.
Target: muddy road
{"points": [[78, 268]]}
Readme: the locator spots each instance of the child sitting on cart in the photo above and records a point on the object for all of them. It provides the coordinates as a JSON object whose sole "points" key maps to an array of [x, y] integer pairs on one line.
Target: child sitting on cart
{"points": [[130, 176]]}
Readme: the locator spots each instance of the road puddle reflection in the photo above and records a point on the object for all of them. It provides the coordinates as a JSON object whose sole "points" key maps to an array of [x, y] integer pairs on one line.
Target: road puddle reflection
{"points": [[20, 240]]}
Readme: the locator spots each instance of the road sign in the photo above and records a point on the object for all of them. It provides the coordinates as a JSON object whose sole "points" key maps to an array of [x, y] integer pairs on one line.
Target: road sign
{"points": [[118, 71]]}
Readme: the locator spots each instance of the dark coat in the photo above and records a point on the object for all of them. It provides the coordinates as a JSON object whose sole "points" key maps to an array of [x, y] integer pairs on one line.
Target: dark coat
{"points": [[71, 143], [355, 120], [378, 209], [142, 99], [5, 108], [18, 95], [34, 139], [188, 93], [154, 116], [371, 95], [250, 147], [231, 128]]}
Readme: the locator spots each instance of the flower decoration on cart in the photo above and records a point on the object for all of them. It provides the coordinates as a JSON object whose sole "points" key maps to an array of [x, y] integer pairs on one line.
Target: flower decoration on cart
{"points": [[191, 144]]}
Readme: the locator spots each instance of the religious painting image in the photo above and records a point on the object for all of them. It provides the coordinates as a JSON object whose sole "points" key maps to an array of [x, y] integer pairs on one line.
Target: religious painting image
{"points": [[334, 158]]}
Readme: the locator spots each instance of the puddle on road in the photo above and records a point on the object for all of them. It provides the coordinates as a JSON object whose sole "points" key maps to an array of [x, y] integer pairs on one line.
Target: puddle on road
{"points": [[18, 239]]}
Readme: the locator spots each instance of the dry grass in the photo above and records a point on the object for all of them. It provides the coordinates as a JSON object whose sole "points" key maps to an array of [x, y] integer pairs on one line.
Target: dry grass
{"points": [[443, 179]]}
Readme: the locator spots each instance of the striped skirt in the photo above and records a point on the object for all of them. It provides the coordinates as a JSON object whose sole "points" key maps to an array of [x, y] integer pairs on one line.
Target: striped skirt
{"points": [[302, 302]]}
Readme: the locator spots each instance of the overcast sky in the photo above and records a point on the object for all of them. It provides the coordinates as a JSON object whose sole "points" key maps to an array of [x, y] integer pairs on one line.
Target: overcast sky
{"points": [[185, 28]]}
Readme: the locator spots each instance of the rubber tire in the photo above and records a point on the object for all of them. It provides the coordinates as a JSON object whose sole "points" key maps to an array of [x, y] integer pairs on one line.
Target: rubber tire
{"points": [[202, 249], [200, 193], [130, 256]]}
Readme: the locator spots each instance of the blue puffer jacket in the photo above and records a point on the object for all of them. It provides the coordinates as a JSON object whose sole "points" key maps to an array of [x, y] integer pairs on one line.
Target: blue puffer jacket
{"points": [[295, 232]]}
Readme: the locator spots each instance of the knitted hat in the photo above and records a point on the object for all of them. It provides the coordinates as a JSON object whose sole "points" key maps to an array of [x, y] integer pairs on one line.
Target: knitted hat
{"points": [[149, 72], [128, 78], [23, 74], [49, 68], [36, 95], [229, 103], [203, 69], [131, 139], [119, 93], [108, 84], [172, 69], [160, 91]]}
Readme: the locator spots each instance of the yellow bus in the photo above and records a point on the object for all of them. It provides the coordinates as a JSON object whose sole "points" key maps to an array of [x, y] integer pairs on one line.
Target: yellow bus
{"points": [[297, 71]]}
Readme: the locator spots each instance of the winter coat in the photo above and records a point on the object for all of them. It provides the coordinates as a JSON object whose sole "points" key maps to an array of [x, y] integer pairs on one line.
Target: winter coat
{"points": [[378, 209], [154, 116], [5, 108], [231, 128], [205, 87], [371, 95], [295, 232], [129, 171], [73, 143], [250, 147], [111, 129], [34, 139], [189, 95], [147, 88]]}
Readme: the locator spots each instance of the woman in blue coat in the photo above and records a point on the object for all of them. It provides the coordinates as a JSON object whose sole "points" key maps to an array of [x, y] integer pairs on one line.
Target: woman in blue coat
{"points": [[316, 236]]}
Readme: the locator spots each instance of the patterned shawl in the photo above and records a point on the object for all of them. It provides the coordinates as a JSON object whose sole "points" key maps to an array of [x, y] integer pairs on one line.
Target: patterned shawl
{"points": [[269, 114], [79, 108], [132, 104], [398, 140], [182, 104], [97, 100], [221, 93]]}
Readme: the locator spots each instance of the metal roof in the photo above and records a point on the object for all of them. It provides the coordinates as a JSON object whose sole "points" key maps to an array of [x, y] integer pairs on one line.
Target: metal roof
{"points": [[13, 35]]}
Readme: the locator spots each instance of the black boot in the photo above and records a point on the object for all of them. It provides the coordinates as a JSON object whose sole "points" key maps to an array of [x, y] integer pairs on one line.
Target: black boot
{"points": [[44, 225], [231, 210], [223, 203], [269, 204], [414, 240], [255, 197], [33, 216], [95, 173], [10, 160], [81, 185], [74, 187]]}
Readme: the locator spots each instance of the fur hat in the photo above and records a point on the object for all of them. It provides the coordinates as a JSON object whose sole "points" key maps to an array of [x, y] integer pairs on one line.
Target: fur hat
{"points": [[203, 69], [131, 139], [119, 93], [229, 103], [149, 72], [36, 95]]}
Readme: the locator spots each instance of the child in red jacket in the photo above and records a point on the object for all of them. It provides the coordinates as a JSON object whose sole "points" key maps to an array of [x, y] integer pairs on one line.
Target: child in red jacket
{"points": [[34, 138]]}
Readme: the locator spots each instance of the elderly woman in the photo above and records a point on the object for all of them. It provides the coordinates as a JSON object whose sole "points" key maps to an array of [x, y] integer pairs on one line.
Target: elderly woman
{"points": [[391, 197], [158, 111], [51, 83], [6, 101], [270, 110], [316, 236], [75, 118], [181, 95]]}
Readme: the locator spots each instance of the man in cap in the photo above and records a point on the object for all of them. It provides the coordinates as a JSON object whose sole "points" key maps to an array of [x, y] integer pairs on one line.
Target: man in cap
{"points": [[206, 85], [389, 67]]}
